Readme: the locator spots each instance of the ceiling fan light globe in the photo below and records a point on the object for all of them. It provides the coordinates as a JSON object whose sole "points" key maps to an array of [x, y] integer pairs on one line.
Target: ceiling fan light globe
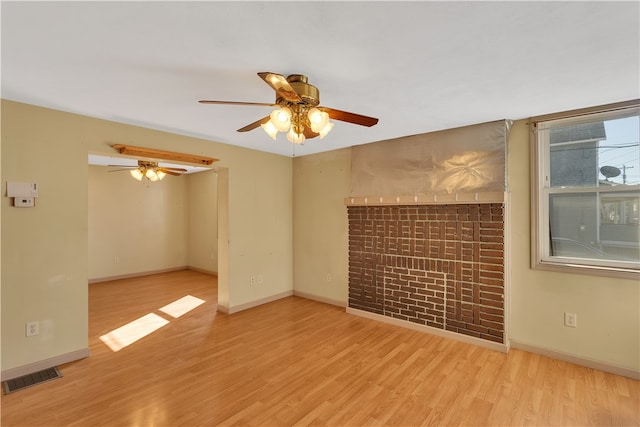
{"points": [[296, 138], [151, 175], [325, 130], [136, 174], [270, 129], [281, 119], [160, 175], [318, 119]]}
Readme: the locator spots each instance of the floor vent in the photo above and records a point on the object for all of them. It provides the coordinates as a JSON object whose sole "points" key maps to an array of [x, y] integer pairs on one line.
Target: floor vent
{"points": [[29, 380]]}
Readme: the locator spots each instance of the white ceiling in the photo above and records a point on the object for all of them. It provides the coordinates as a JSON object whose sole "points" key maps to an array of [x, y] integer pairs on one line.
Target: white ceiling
{"points": [[417, 66]]}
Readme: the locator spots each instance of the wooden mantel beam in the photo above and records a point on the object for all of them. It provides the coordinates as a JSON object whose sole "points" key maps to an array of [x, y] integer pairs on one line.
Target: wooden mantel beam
{"points": [[165, 155]]}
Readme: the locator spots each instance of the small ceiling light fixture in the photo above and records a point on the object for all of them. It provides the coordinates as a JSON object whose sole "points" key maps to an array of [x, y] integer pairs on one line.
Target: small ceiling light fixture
{"points": [[149, 170]]}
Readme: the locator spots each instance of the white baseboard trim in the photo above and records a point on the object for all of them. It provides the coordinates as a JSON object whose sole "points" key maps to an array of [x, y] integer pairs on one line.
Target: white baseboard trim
{"points": [[430, 330], [578, 360], [319, 299], [203, 270], [40, 365], [251, 304], [140, 274]]}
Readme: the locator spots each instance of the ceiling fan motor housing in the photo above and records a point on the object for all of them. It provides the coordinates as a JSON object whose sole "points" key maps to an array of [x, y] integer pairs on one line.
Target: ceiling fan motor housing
{"points": [[309, 94], [147, 164]]}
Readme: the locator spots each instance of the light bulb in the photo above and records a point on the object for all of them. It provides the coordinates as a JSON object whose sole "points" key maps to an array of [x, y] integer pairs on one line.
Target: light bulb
{"points": [[151, 175], [318, 119], [136, 173], [281, 119], [325, 130], [160, 175], [296, 138], [270, 129]]}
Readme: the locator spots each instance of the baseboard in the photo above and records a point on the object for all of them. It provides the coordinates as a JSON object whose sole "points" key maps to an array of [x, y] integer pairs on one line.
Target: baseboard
{"points": [[319, 298], [578, 360], [140, 274], [203, 270], [430, 330], [40, 365], [251, 304]]}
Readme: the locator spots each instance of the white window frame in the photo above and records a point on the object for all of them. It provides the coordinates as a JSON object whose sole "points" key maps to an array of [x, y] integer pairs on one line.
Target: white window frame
{"points": [[541, 189]]}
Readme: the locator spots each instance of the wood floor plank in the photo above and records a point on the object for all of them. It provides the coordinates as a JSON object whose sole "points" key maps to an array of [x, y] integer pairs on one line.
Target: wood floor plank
{"points": [[300, 362]]}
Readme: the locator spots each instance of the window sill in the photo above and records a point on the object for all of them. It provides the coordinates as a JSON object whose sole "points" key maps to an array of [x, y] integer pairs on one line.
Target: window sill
{"points": [[591, 270]]}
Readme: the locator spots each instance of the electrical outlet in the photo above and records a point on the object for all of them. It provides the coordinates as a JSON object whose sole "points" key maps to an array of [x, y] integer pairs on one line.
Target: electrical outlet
{"points": [[259, 279], [32, 328], [329, 278], [252, 280], [116, 259], [571, 320]]}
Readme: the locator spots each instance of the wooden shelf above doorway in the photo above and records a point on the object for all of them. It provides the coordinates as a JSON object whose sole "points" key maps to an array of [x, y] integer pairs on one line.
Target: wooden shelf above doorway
{"points": [[164, 155]]}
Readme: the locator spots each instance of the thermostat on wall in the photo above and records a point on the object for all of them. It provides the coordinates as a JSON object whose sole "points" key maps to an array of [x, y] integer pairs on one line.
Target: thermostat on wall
{"points": [[23, 193], [22, 189]]}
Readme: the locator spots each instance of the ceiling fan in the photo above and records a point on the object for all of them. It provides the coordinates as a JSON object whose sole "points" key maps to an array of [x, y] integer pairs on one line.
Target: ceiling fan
{"points": [[149, 170], [298, 113]]}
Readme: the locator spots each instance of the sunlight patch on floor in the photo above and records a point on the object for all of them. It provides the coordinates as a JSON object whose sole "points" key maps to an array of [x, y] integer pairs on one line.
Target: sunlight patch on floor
{"points": [[133, 331], [140, 328], [181, 306]]}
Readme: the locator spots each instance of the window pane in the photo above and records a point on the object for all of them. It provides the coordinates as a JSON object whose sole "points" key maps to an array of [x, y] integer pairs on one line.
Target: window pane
{"points": [[619, 225], [603, 152], [619, 154], [574, 154], [595, 225]]}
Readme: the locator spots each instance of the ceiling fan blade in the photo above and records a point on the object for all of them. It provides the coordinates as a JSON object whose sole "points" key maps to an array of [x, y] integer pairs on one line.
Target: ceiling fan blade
{"points": [[260, 104], [169, 172], [308, 133], [255, 124], [120, 170], [345, 116], [282, 87], [164, 169]]}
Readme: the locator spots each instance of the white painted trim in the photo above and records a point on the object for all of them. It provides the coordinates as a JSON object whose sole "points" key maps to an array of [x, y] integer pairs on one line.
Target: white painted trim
{"points": [[430, 330], [40, 365], [203, 271], [506, 263], [427, 199], [144, 273], [319, 298], [251, 304], [578, 360]]}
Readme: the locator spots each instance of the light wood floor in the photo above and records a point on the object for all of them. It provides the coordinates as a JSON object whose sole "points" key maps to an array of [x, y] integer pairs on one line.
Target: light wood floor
{"points": [[300, 362]]}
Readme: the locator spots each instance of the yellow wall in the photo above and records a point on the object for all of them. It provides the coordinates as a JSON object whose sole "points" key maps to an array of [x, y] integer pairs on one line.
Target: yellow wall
{"points": [[45, 263], [608, 309], [44, 249], [136, 227], [321, 235], [203, 221], [142, 227]]}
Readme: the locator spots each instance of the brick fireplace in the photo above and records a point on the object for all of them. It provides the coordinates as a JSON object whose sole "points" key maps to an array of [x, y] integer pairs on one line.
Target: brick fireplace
{"points": [[440, 265]]}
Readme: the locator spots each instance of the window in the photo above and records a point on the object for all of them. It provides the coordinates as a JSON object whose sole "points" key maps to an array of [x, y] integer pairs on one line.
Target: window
{"points": [[586, 191]]}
